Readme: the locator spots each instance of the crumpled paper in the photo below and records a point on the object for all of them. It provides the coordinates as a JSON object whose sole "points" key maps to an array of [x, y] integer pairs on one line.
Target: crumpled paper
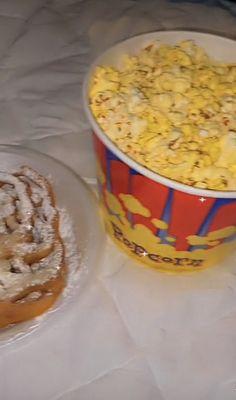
{"points": [[135, 333]]}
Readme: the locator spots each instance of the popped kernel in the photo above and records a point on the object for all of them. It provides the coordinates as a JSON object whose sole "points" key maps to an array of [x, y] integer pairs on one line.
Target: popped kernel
{"points": [[172, 109]]}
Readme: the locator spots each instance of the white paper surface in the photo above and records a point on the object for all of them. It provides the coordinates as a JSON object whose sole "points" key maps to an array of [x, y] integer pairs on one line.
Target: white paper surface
{"points": [[136, 334]]}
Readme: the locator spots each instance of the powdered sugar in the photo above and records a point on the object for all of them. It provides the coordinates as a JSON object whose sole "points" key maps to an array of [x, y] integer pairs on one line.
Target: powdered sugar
{"points": [[25, 205], [72, 255], [30, 250]]}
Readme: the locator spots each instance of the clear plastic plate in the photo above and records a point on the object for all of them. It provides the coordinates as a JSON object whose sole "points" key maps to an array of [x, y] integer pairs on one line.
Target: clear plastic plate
{"points": [[79, 206]]}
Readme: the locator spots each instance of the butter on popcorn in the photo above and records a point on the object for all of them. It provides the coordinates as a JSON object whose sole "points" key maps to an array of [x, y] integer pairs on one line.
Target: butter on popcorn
{"points": [[173, 110]]}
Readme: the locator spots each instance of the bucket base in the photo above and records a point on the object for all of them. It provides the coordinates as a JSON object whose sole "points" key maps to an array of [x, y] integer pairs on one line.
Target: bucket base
{"points": [[164, 258]]}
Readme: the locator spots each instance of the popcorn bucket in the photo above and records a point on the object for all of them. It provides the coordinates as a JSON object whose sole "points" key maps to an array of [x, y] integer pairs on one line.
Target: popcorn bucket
{"points": [[160, 222]]}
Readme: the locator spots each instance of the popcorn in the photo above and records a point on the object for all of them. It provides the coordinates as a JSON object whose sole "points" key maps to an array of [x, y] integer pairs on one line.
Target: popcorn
{"points": [[172, 109]]}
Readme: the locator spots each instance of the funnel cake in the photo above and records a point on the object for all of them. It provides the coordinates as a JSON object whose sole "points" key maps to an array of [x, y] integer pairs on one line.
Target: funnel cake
{"points": [[32, 257]]}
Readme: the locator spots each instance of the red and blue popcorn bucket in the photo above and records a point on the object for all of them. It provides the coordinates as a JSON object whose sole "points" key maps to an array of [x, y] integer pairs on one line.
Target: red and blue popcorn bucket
{"points": [[162, 223], [164, 227]]}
